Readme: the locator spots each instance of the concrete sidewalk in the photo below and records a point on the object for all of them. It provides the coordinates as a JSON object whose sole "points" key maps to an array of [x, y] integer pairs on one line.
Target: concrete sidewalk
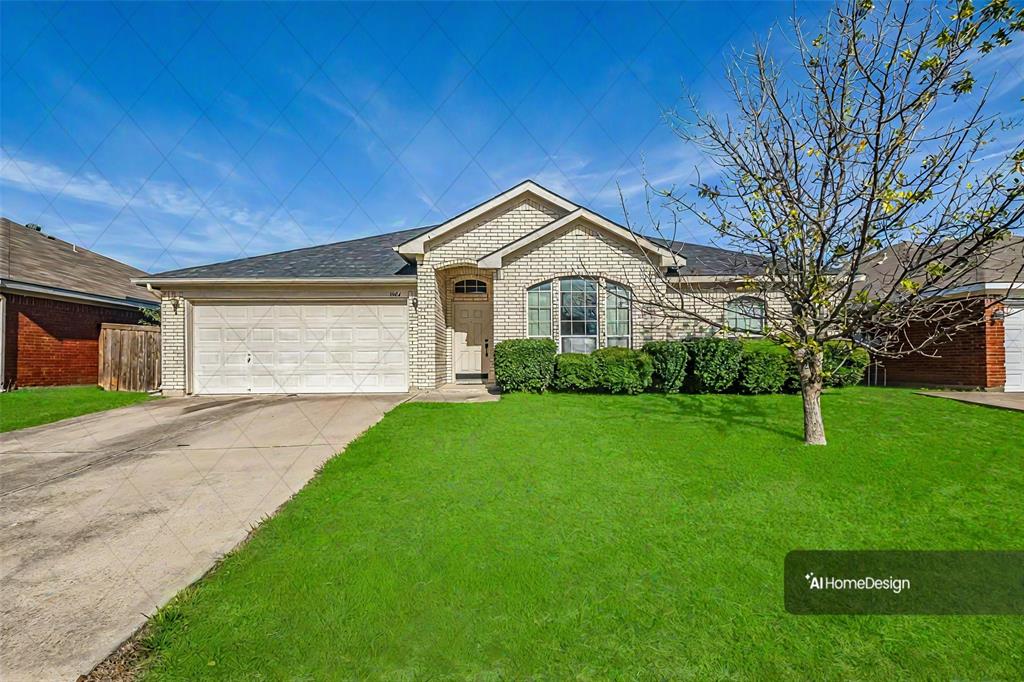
{"points": [[1007, 401], [105, 517]]}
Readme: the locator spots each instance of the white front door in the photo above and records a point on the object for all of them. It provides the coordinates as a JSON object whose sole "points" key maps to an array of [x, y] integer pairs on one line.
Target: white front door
{"points": [[472, 342], [320, 348], [1013, 343]]}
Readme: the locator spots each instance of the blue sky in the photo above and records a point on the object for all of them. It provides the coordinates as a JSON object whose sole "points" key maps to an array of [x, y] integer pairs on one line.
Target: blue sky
{"points": [[167, 135]]}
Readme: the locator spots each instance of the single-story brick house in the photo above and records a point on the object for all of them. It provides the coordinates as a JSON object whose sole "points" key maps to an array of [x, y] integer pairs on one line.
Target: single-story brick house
{"points": [[423, 307], [988, 355], [53, 298]]}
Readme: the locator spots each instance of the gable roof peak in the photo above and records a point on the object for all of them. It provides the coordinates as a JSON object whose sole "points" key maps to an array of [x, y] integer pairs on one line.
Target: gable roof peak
{"points": [[417, 245]]}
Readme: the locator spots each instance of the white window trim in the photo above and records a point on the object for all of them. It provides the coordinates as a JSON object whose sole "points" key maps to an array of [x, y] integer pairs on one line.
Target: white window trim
{"points": [[629, 314], [763, 319], [597, 308], [551, 312]]}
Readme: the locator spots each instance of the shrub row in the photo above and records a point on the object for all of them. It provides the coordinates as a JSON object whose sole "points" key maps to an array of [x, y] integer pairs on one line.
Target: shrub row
{"points": [[706, 365]]}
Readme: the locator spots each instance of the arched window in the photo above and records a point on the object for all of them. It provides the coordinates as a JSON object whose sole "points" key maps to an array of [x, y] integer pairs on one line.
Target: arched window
{"points": [[471, 286], [578, 315], [745, 315], [617, 315], [538, 311]]}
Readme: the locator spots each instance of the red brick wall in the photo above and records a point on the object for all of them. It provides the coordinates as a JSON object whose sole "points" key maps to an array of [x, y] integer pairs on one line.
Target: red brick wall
{"points": [[55, 343], [974, 357]]}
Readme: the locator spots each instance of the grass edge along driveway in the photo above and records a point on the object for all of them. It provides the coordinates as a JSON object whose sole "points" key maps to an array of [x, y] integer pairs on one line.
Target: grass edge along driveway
{"points": [[603, 537], [27, 407]]}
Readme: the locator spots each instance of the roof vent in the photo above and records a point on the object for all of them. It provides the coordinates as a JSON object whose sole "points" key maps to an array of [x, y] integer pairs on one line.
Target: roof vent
{"points": [[34, 226]]}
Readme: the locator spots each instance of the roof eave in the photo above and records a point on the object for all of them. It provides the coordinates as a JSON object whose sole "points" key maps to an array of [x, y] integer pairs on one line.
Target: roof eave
{"points": [[42, 290], [163, 282]]}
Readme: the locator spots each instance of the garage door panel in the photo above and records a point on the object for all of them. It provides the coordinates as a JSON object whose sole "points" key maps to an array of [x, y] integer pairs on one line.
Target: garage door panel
{"points": [[1013, 344], [295, 349]]}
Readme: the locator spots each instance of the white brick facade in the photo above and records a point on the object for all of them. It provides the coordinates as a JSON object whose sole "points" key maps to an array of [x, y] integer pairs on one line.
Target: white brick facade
{"points": [[580, 248], [431, 361], [172, 342]]}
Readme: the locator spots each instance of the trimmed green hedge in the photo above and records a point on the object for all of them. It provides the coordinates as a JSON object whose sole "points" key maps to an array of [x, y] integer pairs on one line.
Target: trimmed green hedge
{"points": [[669, 359], [843, 364], [714, 364], [764, 367], [576, 372], [524, 364], [706, 365], [622, 370]]}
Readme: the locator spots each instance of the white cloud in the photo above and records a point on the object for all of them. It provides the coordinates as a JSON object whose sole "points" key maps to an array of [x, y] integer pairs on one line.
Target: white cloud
{"points": [[214, 229]]}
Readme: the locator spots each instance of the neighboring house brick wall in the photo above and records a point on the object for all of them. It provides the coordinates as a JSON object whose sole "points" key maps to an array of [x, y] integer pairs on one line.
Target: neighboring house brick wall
{"points": [[975, 357], [55, 343], [172, 342]]}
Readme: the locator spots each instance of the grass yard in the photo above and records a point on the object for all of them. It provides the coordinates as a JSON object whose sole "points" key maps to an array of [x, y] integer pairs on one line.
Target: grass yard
{"points": [[34, 406], [559, 536]]}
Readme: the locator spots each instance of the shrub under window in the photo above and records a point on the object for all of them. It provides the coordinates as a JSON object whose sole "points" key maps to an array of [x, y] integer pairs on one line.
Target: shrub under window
{"points": [[714, 364], [524, 364], [621, 370]]}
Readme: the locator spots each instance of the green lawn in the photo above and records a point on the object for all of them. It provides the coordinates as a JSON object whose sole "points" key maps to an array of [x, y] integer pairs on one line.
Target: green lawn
{"points": [[33, 406], [559, 536]]}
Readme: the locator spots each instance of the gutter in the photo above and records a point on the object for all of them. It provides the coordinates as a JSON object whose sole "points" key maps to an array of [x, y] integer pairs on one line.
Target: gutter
{"points": [[70, 295], [983, 287], [158, 282]]}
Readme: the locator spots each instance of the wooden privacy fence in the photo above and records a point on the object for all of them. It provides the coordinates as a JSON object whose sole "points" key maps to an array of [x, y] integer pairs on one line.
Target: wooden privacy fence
{"points": [[129, 357]]}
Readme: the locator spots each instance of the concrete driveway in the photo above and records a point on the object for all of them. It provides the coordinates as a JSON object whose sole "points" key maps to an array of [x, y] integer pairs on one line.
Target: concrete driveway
{"points": [[103, 518]]}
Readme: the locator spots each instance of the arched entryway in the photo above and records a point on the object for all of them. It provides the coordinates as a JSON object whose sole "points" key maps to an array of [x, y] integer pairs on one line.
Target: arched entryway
{"points": [[469, 322]]}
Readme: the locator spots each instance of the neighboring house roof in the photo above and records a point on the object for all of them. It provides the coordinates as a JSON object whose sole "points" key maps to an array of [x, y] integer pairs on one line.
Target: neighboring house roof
{"points": [[367, 257], [1004, 266], [32, 262]]}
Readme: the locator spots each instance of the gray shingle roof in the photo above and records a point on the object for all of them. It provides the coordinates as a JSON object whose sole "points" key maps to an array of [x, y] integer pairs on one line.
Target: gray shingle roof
{"points": [[375, 257], [705, 260], [32, 257], [365, 257]]}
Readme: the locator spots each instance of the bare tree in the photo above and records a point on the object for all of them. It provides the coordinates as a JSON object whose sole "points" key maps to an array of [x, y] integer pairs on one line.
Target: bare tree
{"points": [[863, 177]]}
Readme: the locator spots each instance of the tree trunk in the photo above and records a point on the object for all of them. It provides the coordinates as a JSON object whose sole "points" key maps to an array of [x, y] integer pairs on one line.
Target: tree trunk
{"points": [[811, 381]]}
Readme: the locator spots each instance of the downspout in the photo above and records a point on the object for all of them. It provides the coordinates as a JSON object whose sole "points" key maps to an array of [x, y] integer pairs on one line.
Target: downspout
{"points": [[3, 343]]}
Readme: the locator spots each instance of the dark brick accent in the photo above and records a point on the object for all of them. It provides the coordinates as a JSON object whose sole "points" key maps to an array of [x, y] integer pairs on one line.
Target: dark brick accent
{"points": [[55, 343], [974, 357]]}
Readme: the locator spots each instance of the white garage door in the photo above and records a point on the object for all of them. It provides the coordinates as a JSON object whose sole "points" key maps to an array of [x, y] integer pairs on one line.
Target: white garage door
{"points": [[1013, 326], [338, 348]]}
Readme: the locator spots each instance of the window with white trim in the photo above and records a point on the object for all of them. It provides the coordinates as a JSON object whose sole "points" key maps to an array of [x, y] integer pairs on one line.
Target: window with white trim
{"points": [[578, 315], [745, 315], [617, 315], [538, 311]]}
